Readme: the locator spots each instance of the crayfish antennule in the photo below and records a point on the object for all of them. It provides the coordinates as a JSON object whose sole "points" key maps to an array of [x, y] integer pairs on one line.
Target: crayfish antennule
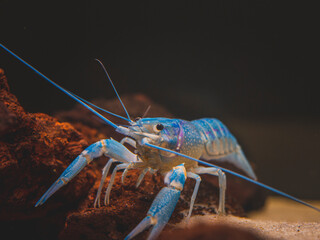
{"points": [[123, 130]]}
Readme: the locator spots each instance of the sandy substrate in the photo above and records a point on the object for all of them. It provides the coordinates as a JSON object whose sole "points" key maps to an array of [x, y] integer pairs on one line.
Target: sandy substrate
{"points": [[282, 209], [280, 219]]}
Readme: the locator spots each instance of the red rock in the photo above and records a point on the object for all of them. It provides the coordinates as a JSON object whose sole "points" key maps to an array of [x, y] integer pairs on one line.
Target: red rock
{"points": [[35, 149]]}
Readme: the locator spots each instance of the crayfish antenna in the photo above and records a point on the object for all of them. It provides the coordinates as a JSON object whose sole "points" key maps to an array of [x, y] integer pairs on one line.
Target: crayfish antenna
{"points": [[73, 96], [114, 88], [146, 112], [97, 107]]}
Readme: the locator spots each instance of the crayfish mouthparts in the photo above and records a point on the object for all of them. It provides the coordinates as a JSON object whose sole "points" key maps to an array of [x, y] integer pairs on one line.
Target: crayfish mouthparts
{"points": [[123, 130], [134, 134]]}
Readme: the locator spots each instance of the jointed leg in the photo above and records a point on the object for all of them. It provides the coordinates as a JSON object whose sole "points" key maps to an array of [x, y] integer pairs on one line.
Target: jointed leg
{"points": [[113, 175], [195, 191], [105, 172], [163, 205], [93, 151], [222, 184], [143, 173], [124, 174], [131, 166], [144, 224], [129, 141], [106, 169], [125, 166], [132, 143], [108, 147]]}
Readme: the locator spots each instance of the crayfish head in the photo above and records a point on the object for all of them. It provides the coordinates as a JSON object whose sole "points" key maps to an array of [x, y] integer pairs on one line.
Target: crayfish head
{"points": [[159, 131], [172, 134]]}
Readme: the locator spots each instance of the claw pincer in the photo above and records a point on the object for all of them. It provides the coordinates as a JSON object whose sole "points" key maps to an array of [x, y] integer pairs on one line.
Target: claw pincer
{"points": [[163, 205], [109, 147]]}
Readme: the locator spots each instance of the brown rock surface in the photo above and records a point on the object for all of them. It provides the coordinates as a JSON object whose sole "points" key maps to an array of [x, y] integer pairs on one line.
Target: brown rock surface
{"points": [[128, 206], [34, 150], [206, 231]]}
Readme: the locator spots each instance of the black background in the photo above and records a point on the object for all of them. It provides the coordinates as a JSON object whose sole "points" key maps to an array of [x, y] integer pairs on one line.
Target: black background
{"points": [[252, 64]]}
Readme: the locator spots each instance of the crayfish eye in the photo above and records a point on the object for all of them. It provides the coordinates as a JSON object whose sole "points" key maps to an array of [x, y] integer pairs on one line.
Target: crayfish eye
{"points": [[158, 127]]}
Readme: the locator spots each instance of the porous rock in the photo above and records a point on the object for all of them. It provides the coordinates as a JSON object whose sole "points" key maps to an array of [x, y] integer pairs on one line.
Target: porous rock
{"points": [[34, 150]]}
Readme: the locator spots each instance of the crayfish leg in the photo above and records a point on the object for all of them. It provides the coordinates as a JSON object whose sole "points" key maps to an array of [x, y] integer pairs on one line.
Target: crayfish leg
{"points": [[222, 184], [105, 172], [93, 151], [163, 205], [195, 191], [108, 147]]}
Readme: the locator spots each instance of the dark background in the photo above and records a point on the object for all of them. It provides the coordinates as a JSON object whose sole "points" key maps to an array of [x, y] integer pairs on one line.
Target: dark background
{"points": [[252, 64]]}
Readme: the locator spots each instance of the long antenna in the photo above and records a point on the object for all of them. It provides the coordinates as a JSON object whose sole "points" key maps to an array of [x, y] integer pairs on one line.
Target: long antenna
{"points": [[146, 112], [236, 174], [114, 88], [61, 88], [97, 107]]}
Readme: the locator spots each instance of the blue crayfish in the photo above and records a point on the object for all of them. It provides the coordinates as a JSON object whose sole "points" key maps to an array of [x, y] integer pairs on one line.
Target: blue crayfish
{"points": [[172, 147]]}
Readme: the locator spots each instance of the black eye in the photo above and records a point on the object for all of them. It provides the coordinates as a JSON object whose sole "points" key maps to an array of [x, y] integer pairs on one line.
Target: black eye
{"points": [[159, 127]]}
